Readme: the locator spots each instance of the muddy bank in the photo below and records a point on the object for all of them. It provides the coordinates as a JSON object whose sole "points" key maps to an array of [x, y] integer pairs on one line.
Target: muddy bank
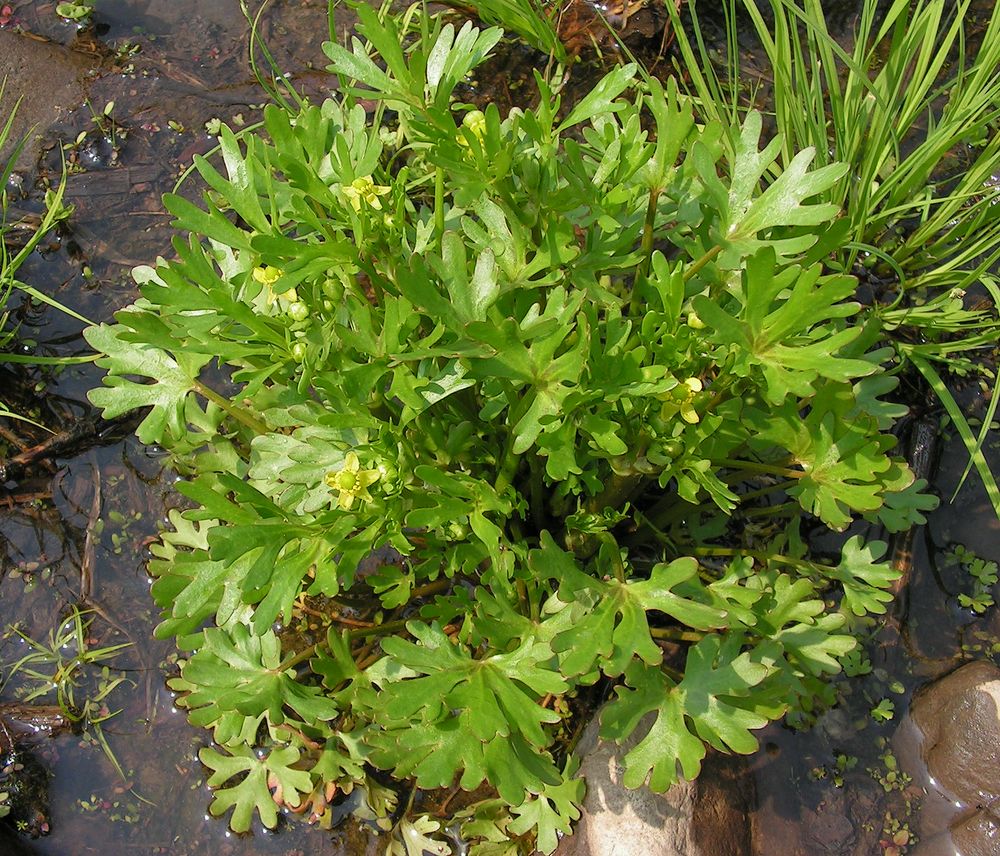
{"points": [[48, 80]]}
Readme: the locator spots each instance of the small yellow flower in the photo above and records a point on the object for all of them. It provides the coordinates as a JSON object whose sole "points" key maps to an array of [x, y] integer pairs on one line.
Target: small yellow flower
{"points": [[267, 274], [688, 413], [682, 399], [351, 482], [475, 121], [364, 190]]}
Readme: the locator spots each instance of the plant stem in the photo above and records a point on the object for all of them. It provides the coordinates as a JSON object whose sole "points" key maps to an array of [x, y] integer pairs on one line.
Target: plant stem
{"points": [[674, 634], [760, 555], [379, 629], [618, 489], [248, 419], [535, 610], [293, 660], [672, 673], [522, 597], [537, 501], [700, 263], [647, 251], [767, 469], [360, 633], [430, 588], [439, 203], [764, 491], [617, 565], [771, 510], [507, 469]]}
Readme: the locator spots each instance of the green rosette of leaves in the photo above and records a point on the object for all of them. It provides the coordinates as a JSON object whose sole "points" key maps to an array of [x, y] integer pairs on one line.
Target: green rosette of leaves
{"points": [[476, 411]]}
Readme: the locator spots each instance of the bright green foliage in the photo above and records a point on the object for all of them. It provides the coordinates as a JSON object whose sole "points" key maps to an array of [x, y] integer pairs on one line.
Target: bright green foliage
{"points": [[477, 717], [265, 783], [413, 839], [551, 812], [711, 704], [240, 673], [903, 126], [864, 578], [612, 628], [175, 377], [843, 461], [983, 575], [479, 396], [783, 327]]}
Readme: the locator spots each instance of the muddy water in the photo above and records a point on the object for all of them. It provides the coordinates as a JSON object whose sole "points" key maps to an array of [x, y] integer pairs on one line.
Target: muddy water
{"points": [[171, 66]]}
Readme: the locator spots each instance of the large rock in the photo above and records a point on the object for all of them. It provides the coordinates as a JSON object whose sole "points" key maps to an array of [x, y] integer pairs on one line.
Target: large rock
{"points": [[708, 817], [48, 80], [949, 742]]}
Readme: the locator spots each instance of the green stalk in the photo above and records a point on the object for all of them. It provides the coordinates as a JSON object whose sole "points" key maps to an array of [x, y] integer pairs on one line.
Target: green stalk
{"points": [[760, 555], [537, 499], [618, 489], [439, 202], [534, 606], [673, 634], [385, 629], [379, 629], [430, 588], [248, 419], [700, 263], [299, 657], [672, 673], [507, 469], [771, 510], [522, 597], [616, 556], [764, 491], [646, 249], [767, 469]]}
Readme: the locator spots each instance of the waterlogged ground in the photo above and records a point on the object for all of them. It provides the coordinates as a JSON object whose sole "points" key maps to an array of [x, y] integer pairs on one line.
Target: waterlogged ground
{"points": [[81, 529], [170, 67]]}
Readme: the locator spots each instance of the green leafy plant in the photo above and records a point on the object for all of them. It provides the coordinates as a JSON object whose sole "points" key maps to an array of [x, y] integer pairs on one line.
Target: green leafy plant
{"points": [[60, 665], [533, 22], [884, 710], [983, 574], [913, 112], [475, 411], [80, 11], [67, 669], [889, 775]]}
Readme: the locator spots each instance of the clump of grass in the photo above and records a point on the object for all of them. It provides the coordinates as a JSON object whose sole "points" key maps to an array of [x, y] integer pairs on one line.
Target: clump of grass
{"points": [[532, 21], [11, 262]]}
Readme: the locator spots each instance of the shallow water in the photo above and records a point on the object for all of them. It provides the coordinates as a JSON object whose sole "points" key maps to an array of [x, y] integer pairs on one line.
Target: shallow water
{"points": [[191, 67], [92, 519]]}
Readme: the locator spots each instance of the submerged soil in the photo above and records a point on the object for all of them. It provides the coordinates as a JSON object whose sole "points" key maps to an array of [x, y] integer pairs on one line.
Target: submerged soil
{"points": [[74, 529]]}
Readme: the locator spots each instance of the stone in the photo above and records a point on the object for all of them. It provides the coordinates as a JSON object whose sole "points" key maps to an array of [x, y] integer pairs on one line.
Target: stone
{"points": [[949, 742], [707, 817], [50, 79], [979, 833], [976, 834]]}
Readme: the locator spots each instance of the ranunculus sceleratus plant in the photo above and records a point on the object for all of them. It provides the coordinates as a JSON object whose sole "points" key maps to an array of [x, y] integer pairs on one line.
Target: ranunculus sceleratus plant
{"points": [[576, 375]]}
